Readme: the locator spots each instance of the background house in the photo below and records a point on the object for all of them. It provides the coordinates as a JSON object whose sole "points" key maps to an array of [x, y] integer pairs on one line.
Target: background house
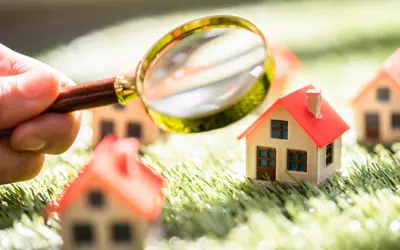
{"points": [[125, 121], [114, 203], [299, 136], [376, 107], [286, 66]]}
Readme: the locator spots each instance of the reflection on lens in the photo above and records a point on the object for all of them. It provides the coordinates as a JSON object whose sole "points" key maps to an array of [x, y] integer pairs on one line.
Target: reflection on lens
{"points": [[204, 73]]}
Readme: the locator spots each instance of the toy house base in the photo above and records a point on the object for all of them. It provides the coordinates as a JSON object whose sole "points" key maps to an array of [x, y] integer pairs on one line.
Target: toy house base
{"points": [[294, 184]]}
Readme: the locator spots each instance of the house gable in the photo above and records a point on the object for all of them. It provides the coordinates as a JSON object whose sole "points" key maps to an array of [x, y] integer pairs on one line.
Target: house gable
{"points": [[368, 93], [115, 168], [264, 131]]}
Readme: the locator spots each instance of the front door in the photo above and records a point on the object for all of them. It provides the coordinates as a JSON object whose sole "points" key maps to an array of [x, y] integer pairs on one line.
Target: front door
{"points": [[372, 126], [266, 163]]}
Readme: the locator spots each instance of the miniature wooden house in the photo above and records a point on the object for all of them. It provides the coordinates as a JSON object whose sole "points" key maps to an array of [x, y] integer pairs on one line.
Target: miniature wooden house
{"points": [[125, 121], [114, 203], [298, 138], [377, 105], [286, 65]]}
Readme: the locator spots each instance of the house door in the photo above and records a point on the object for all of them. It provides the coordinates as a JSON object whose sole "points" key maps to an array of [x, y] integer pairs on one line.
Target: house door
{"points": [[372, 126], [266, 163]]}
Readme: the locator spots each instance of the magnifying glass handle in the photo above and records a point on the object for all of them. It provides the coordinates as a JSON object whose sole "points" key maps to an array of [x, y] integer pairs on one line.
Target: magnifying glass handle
{"points": [[85, 96], [79, 97]]}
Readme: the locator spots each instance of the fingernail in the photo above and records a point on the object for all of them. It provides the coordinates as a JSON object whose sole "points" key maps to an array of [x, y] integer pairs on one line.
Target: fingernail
{"points": [[31, 144]]}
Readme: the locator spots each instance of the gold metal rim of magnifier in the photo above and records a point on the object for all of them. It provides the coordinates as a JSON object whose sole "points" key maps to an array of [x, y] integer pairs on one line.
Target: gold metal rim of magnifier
{"points": [[128, 88]]}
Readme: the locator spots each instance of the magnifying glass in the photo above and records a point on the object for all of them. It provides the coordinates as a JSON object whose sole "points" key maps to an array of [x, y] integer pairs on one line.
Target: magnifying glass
{"points": [[203, 75]]}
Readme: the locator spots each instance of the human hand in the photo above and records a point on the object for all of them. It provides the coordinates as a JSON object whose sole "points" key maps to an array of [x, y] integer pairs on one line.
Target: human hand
{"points": [[27, 88]]}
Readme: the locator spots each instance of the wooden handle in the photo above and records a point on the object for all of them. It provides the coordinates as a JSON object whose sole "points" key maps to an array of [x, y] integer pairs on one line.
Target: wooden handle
{"points": [[79, 97], [85, 96]]}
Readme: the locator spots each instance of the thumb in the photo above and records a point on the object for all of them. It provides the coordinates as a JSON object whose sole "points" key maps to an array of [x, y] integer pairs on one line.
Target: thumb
{"points": [[26, 95]]}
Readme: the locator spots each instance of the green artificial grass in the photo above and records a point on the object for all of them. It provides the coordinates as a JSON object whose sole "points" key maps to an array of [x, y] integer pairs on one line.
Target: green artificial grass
{"points": [[210, 205]]}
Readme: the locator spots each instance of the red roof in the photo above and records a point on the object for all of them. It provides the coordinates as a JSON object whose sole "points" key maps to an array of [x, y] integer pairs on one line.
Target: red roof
{"points": [[117, 171], [321, 130]]}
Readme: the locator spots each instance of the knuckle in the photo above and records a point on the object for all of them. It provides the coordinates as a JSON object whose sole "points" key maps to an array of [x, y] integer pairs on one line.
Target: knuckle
{"points": [[6, 110]]}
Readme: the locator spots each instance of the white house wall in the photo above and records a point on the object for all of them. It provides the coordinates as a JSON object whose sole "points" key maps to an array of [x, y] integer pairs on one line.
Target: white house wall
{"points": [[326, 171]]}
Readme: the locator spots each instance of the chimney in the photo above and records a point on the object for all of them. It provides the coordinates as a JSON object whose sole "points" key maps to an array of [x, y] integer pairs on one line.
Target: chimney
{"points": [[314, 102]]}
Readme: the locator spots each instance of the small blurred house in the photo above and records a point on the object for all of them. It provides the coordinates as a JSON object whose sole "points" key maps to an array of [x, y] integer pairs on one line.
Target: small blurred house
{"points": [[125, 121], [114, 203], [286, 66], [377, 105]]}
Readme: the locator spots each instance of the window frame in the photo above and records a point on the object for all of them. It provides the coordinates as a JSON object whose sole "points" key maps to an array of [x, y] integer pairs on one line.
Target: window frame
{"points": [[281, 130], [395, 120], [266, 158], [379, 94], [329, 156], [76, 234], [297, 161], [115, 236], [103, 124], [139, 126], [91, 195]]}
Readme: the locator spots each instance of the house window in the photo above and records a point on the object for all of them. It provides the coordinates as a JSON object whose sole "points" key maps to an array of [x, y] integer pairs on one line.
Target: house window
{"points": [[396, 120], [121, 233], [279, 129], [134, 130], [119, 107], [107, 127], [83, 234], [266, 157], [96, 198], [329, 154], [383, 94], [297, 160]]}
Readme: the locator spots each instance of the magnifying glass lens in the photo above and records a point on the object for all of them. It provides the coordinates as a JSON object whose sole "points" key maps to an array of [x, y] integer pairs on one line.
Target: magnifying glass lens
{"points": [[204, 73]]}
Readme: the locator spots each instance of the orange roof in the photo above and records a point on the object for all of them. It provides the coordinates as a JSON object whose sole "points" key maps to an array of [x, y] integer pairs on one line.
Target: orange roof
{"points": [[392, 66], [321, 130], [285, 60], [390, 69], [116, 170], [378, 77]]}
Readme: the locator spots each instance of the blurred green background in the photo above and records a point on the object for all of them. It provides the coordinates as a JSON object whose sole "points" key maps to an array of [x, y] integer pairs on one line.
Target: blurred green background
{"points": [[341, 44]]}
